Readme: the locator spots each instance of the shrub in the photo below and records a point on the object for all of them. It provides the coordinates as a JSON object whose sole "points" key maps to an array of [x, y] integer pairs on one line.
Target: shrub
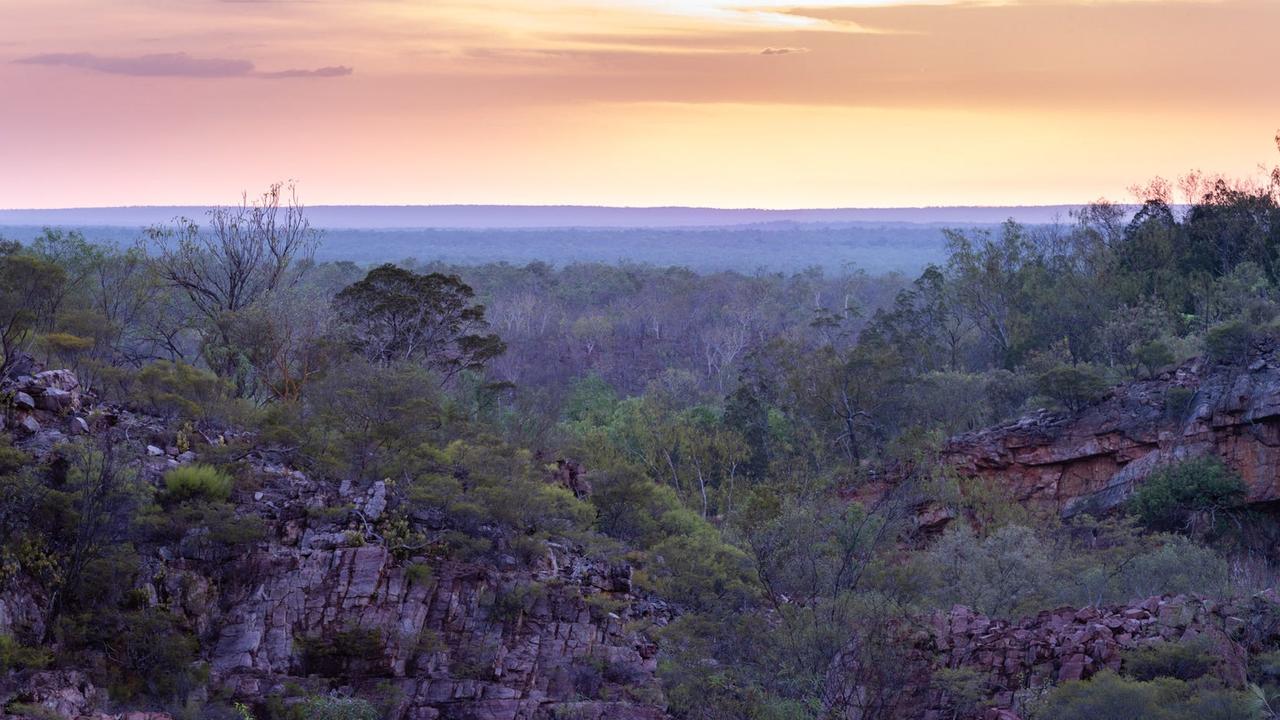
{"points": [[1173, 495], [16, 656], [1180, 565], [1178, 402], [509, 603], [1075, 387], [1110, 697], [178, 389], [192, 482], [1153, 355], [346, 653], [1178, 660], [327, 707], [1228, 342], [419, 573]]}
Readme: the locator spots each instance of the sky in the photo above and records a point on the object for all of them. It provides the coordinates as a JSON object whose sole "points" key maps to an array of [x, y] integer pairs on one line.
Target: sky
{"points": [[724, 103]]}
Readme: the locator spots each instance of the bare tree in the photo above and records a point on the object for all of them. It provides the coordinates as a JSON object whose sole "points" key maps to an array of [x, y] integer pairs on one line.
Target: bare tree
{"points": [[243, 254]]}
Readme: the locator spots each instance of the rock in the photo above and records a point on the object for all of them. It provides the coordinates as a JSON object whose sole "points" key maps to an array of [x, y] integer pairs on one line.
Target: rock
{"points": [[1092, 460], [377, 501], [186, 457], [154, 451], [29, 424], [1024, 658], [23, 401], [54, 400], [78, 426], [63, 693], [58, 380]]}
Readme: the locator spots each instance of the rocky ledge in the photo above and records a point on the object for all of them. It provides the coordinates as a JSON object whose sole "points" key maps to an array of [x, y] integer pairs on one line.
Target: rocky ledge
{"points": [[1093, 459], [1016, 662]]}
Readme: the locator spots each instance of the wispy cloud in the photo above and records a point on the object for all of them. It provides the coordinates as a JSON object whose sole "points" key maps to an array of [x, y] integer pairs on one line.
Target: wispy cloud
{"points": [[324, 72], [177, 64]]}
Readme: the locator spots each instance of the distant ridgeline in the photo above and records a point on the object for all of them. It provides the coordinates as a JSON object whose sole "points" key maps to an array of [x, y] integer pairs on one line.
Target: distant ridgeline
{"points": [[873, 240]]}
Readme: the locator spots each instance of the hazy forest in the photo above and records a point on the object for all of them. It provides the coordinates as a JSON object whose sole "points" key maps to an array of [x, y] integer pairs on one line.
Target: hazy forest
{"points": [[277, 486]]}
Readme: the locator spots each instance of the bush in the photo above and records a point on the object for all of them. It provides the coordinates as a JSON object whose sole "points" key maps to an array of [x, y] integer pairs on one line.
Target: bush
{"points": [[197, 482], [1074, 387], [1173, 496], [1180, 565], [1153, 356], [177, 389], [334, 708], [1178, 402], [354, 652], [16, 656], [1228, 342], [1178, 660], [1110, 697]]}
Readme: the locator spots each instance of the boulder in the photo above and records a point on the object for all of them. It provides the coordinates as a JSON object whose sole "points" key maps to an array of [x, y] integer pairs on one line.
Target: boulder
{"points": [[55, 400]]}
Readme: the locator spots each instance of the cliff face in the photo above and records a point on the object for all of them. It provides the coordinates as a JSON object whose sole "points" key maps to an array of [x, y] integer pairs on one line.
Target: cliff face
{"points": [[1095, 458], [312, 609], [1016, 662]]}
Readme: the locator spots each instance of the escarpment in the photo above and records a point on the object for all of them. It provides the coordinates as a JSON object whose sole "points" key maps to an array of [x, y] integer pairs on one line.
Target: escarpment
{"points": [[1093, 459], [314, 606]]}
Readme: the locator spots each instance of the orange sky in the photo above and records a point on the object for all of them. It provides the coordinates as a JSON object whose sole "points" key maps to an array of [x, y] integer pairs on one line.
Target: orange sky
{"points": [[736, 103]]}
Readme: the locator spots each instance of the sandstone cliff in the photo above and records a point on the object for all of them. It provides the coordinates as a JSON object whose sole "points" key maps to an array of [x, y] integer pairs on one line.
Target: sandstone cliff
{"points": [[1094, 459], [315, 609]]}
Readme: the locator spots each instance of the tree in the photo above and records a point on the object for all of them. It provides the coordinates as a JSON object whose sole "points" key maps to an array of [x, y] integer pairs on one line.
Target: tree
{"points": [[989, 285], [245, 253], [396, 315], [1176, 496], [29, 290]]}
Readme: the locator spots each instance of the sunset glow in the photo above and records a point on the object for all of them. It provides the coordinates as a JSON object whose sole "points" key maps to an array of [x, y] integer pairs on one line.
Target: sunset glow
{"points": [[738, 103]]}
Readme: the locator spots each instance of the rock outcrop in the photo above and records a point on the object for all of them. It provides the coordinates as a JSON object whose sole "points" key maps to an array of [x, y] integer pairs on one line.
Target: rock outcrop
{"points": [[1017, 662], [1093, 459], [317, 607]]}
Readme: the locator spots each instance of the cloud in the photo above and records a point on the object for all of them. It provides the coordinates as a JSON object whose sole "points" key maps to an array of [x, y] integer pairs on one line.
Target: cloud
{"points": [[783, 51], [177, 64], [324, 72], [157, 65]]}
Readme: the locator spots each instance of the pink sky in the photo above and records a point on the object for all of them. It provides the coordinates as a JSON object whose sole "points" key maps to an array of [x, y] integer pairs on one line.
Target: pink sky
{"points": [[737, 103]]}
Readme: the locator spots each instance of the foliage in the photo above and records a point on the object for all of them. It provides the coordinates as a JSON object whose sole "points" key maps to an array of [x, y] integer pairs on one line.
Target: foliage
{"points": [[16, 656], [350, 652], [1107, 696], [196, 481], [1186, 660], [1229, 342], [998, 575], [397, 315], [328, 707], [1175, 496], [1075, 387], [175, 389]]}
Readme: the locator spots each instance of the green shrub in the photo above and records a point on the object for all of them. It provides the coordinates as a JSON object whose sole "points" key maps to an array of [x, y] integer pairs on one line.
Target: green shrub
{"points": [[16, 656], [1075, 387], [358, 651], [190, 482], [1153, 356], [1173, 495], [32, 711], [327, 707], [176, 389], [510, 602], [1228, 342], [419, 573], [1110, 697], [1178, 660], [1178, 402]]}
